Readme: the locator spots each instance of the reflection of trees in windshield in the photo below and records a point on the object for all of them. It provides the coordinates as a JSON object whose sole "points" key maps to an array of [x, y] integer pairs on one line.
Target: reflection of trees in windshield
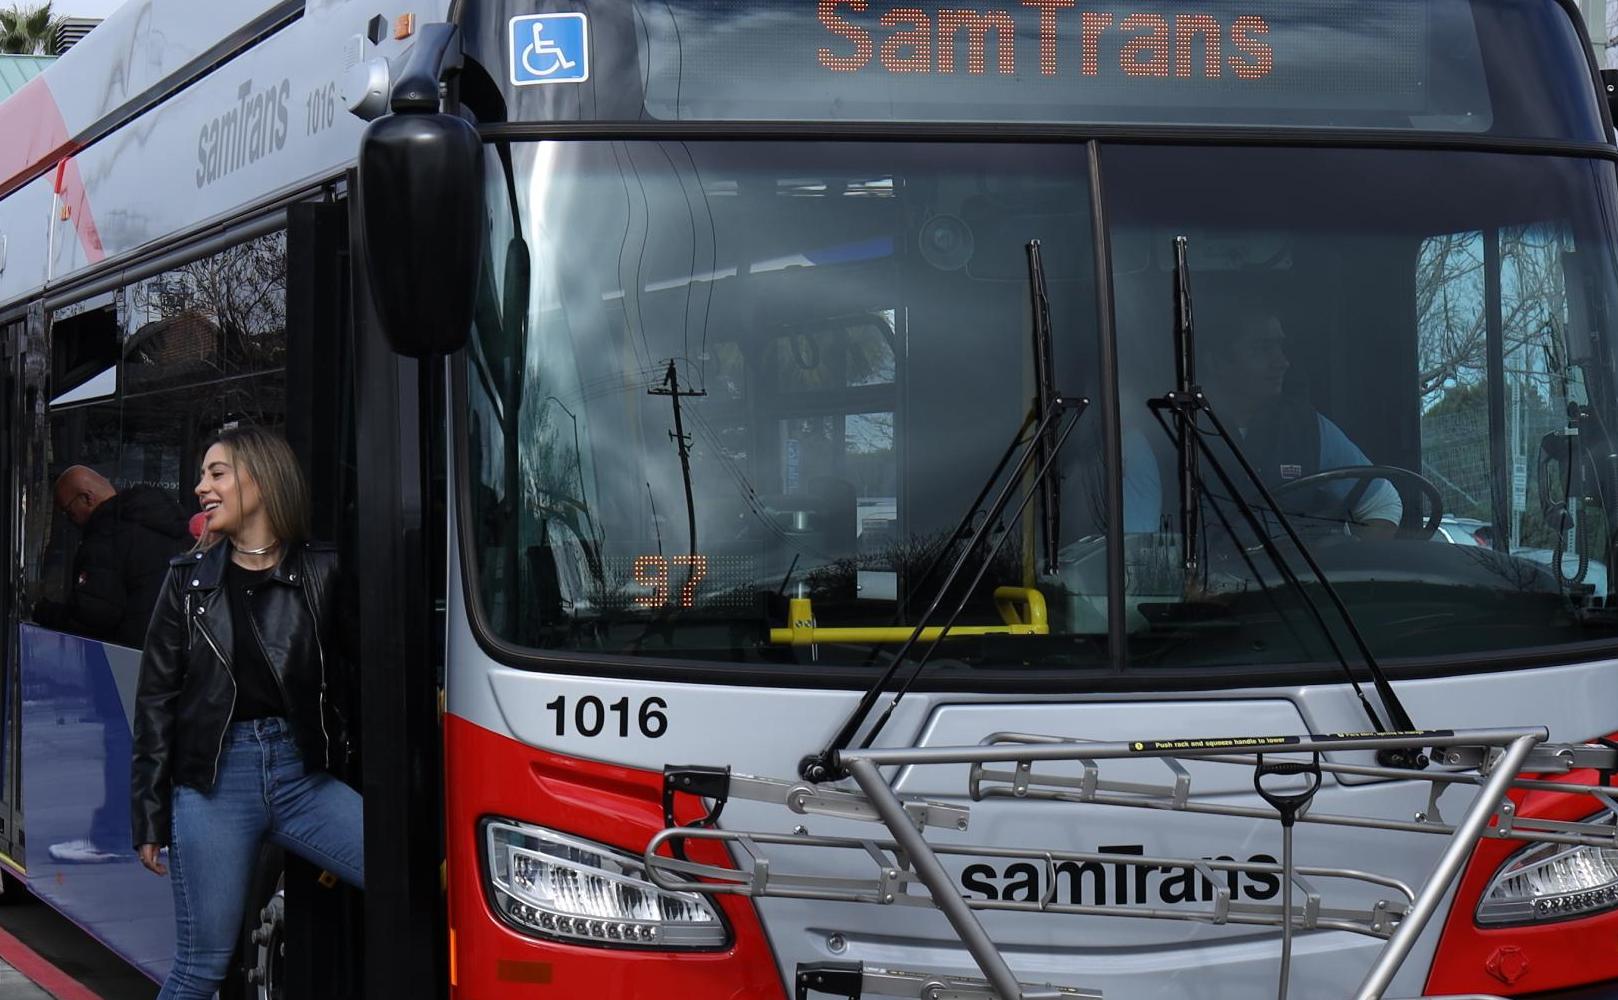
{"points": [[1450, 303], [1541, 373]]}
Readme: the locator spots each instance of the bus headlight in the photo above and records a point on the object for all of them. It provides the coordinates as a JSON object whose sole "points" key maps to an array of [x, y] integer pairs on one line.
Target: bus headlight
{"points": [[1544, 883], [561, 887]]}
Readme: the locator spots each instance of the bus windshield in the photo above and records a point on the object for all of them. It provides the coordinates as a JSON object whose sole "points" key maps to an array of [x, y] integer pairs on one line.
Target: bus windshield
{"points": [[729, 401]]}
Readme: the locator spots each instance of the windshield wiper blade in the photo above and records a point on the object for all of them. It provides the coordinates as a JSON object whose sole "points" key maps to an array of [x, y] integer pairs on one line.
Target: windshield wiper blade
{"points": [[1186, 403], [1044, 392], [1050, 488], [1045, 389]]}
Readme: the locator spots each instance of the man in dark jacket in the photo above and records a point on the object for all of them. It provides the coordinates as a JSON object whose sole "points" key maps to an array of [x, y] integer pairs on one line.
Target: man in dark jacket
{"points": [[128, 540]]}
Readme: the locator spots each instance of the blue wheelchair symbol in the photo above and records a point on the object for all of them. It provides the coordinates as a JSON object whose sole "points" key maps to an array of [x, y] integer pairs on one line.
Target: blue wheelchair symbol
{"points": [[549, 48]]}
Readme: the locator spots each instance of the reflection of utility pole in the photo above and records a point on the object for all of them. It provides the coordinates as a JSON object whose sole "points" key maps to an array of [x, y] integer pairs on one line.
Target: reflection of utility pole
{"points": [[670, 387], [578, 455], [592, 547]]}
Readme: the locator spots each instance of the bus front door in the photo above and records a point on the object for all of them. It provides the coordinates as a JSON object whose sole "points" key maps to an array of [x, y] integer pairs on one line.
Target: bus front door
{"points": [[12, 339]]}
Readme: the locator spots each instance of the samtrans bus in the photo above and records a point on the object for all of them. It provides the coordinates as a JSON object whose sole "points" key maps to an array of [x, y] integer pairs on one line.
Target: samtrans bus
{"points": [[1043, 498]]}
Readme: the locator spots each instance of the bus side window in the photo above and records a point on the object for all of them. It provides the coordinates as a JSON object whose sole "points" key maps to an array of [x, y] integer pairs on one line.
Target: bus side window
{"points": [[141, 381], [83, 430]]}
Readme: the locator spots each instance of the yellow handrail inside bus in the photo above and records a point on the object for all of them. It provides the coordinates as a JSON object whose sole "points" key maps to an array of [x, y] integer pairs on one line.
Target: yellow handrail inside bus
{"points": [[1022, 608]]}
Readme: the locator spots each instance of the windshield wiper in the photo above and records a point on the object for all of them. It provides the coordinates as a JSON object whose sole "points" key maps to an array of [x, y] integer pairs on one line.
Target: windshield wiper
{"points": [[1051, 418], [1050, 487], [1186, 403]]}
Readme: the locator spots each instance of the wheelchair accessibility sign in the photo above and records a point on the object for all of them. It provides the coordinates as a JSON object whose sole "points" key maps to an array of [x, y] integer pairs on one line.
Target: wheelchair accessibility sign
{"points": [[550, 48]]}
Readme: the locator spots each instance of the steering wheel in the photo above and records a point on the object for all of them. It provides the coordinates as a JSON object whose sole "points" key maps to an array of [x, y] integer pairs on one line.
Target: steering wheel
{"points": [[1415, 494]]}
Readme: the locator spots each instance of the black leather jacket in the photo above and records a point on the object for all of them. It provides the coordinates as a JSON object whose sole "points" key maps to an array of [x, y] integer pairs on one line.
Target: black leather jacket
{"points": [[186, 693]]}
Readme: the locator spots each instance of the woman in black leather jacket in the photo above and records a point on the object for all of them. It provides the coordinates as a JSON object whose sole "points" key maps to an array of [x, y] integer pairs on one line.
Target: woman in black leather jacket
{"points": [[234, 731]]}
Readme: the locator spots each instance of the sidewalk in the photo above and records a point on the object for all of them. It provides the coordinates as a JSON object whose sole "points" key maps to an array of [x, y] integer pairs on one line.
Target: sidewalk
{"points": [[25, 975], [16, 986]]}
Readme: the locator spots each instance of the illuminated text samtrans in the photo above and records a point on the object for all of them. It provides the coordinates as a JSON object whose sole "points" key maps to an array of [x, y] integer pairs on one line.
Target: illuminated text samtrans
{"points": [[910, 40]]}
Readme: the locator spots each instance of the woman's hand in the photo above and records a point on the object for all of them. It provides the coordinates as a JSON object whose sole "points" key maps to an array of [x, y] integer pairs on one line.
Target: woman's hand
{"points": [[148, 857]]}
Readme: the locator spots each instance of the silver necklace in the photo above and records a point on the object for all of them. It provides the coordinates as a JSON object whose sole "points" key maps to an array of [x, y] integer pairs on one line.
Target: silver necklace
{"points": [[259, 552]]}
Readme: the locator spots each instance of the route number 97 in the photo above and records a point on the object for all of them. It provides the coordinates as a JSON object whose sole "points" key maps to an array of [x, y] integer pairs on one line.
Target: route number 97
{"points": [[652, 572], [591, 716]]}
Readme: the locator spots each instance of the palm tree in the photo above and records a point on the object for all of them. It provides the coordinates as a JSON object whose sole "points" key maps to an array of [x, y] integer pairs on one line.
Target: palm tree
{"points": [[28, 31]]}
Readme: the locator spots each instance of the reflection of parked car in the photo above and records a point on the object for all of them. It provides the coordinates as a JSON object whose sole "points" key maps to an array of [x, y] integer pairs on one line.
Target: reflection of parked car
{"points": [[1465, 531], [1471, 531]]}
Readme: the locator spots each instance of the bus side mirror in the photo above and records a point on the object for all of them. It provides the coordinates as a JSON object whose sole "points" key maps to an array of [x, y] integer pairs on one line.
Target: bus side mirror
{"points": [[421, 211]]}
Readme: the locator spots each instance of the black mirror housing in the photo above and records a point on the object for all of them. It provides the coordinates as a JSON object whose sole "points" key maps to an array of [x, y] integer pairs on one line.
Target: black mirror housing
{"points": [[421, 211]]}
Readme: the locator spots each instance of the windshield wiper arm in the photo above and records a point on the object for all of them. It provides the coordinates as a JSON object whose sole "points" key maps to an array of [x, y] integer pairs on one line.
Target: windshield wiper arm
{"points": [[1186, 403], [823, 766], [1045, 389], [1041, 453]]}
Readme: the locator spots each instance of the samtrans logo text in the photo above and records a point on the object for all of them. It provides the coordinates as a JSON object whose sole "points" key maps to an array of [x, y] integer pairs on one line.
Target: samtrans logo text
{"points": [[254, 127], [1115, 883]]}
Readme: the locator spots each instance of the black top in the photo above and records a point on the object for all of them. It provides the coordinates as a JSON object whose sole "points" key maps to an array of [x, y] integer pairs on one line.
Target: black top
{"points": [[119, 568], [258, 696], [187, 689]]}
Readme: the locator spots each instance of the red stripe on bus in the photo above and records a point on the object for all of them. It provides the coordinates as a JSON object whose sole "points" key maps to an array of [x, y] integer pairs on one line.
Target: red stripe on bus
{"points": [[77, 202], [41, 972], [36, 135]]}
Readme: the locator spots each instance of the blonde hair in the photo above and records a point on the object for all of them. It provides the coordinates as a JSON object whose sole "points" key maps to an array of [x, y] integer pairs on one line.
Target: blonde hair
{"points": [[266, 458]]}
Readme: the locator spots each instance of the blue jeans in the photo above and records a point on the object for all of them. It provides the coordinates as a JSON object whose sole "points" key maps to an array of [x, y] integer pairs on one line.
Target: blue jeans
{"points": [[263, 792]]}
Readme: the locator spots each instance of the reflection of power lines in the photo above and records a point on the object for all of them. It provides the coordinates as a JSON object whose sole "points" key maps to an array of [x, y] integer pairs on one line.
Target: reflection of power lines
{"points": [[744, 486], [623, 380]]}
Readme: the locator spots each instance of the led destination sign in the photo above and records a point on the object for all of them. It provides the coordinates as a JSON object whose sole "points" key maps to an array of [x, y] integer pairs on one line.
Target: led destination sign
{"points": [[1184, 44], [1359, 63]]}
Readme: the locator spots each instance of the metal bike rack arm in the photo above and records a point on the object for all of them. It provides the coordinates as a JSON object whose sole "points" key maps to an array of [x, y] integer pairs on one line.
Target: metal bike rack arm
{"points": [[1448, 867], [938, 882]]}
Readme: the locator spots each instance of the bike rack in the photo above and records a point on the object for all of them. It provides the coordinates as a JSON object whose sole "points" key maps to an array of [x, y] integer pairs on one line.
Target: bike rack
{"points": [[906, 869]]}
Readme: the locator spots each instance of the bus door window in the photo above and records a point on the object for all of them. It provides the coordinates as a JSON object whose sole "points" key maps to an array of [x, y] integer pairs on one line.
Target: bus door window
{"points": [[13, 445], [204, 346], [83, 423]]}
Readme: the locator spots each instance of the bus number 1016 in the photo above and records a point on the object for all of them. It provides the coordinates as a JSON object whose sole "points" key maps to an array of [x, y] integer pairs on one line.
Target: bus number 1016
{"points": [[590, 716]]}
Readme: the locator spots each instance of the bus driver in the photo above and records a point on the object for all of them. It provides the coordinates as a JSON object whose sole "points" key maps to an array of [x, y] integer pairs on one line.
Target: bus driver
{"points": [[1243, 368]]}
